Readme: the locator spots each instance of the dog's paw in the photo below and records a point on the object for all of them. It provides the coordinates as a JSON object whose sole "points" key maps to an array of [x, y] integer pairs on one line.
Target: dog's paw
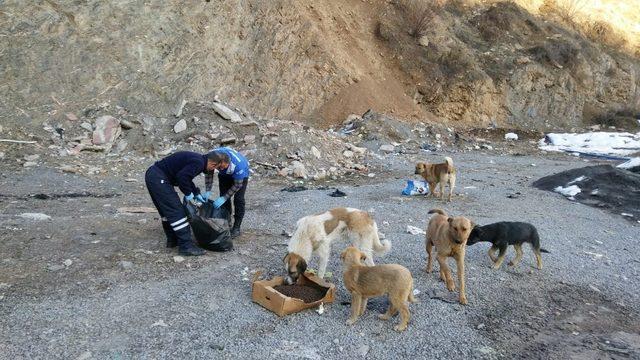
{"points": [[384, 317], [463, 300], [510, 263], [399, 328], [351, 322], [495, 267], [451, 286]]}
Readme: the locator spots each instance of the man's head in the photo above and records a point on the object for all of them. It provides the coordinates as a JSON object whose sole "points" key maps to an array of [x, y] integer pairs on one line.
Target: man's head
{"points": [[217, 161]]}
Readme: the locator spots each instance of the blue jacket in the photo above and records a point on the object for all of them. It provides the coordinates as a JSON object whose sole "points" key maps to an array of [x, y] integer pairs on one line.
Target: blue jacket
{"points": [[238, 167], [181, 168]]}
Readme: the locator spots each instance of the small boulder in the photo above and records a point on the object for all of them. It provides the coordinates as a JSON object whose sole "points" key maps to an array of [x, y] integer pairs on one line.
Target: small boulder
{"points": [[387, 148], [299, 170], [107, 130], [180, 126], [226, 113]]}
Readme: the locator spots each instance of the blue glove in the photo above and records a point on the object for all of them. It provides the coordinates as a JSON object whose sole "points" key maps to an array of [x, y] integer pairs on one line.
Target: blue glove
{"points": [[200, 198], [219, 201], [206, 196], [189, 197]]}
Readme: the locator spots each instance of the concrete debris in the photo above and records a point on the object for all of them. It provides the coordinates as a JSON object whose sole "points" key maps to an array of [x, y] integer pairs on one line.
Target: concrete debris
{"points": [[226, 113], [35, 216], [180, 126], [107, 130]]}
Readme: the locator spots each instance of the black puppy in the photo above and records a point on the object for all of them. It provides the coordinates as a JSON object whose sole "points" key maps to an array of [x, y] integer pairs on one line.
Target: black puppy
{"points": [[505, 233]]}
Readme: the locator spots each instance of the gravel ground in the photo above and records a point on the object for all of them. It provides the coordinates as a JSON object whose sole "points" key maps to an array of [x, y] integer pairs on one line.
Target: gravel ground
{"points": [[583, 304]]}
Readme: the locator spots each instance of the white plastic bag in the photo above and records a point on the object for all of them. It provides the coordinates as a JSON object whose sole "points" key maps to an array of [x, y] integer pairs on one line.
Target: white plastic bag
{"points": [[416, 187]]}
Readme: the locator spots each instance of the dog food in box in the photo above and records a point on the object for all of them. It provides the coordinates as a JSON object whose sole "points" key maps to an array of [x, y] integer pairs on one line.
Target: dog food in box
{"points": [[310, 291]]}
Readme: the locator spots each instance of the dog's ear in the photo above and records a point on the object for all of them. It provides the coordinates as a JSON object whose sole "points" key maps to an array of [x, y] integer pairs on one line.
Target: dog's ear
{"points": [[302, 266], [342, 255], [363, 257], [286, 258], [450, 220]]}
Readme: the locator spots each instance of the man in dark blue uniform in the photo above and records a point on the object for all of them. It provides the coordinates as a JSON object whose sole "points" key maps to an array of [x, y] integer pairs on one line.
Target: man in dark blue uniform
{"points": [[179, 170], [233, 176]]}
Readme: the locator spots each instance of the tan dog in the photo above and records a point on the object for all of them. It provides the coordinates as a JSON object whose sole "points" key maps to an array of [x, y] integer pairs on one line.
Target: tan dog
{"points": [[449, 235], [315, 233], [364, 282], [443, 173]]}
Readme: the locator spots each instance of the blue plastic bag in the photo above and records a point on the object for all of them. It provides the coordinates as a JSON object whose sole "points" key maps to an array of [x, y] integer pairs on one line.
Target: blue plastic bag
{"points": [[416, 187]]}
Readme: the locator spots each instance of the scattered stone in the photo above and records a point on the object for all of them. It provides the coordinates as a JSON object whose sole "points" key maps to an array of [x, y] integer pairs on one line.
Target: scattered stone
{"points": [[511, 136], [414, 230], [71, 116], [298, 170], [228, 140], [480, 326], [423, 41], [226, 113], [249, 139], [33, 157], [29, 164], [107, 130], [56, 267], [178, 259], [67, 262], [85, 125], [284, 172], [2, 155], [126, 124], [125, 264], [387, 148], [178, 111], [180, 126], [486, 146], [362, 350], [348, 153], [35, 216], [316, 152]]}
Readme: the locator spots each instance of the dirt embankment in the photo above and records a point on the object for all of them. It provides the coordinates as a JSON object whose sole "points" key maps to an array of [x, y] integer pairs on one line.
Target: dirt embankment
{"points": [[472, 65]]}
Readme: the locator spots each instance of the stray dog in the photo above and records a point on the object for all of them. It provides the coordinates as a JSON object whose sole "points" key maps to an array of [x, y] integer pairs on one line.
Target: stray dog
{"points": [[364, 282], [443, 173], [449, 235], [502, 234], [314, 234]]}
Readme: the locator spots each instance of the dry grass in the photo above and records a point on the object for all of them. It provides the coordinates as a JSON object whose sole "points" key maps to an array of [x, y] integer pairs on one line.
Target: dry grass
{"points": [[420, 14], [614, 22]]}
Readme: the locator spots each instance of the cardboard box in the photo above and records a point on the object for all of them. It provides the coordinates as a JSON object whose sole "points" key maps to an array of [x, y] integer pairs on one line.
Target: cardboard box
{"points": [[263, 293]]}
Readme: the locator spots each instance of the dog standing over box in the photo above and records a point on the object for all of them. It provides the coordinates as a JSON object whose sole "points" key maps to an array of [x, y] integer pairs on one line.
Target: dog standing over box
{"points": [[364, 282], [443, 173], [449, 235], [314, 234]]}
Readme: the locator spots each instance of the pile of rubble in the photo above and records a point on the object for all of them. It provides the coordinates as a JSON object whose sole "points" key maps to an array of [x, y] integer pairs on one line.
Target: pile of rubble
{"points": [[105, 136]]}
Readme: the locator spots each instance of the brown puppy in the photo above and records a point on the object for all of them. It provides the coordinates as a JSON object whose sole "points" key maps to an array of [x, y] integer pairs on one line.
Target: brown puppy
{"points": [[449, 235], [443, 173], [364, 282]]}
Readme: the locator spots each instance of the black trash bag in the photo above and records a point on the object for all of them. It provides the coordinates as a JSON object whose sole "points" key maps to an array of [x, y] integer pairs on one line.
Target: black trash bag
{"points": [[211, 226]]}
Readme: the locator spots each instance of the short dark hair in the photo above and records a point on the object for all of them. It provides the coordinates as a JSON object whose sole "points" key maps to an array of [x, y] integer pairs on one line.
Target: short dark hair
{"points": [[218, 157]]}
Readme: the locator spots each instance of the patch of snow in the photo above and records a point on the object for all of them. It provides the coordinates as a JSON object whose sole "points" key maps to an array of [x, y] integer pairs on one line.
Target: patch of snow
{"points": [[578, 179], [597, 143], [633, 162], [511, 136], [569, 191]]}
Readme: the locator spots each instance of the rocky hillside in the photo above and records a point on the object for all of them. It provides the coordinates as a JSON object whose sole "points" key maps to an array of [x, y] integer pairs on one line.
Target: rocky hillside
{"points": [[462, 64]]}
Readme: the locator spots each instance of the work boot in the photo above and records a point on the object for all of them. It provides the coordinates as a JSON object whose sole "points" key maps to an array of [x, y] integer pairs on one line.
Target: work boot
{"points": [[172, 239], [191, 250], [185, 245], [235, 230]]}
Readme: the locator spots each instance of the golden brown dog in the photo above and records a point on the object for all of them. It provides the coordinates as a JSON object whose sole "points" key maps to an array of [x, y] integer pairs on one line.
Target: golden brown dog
{"points": [[443, 173], [364, 282], [449, 235]]}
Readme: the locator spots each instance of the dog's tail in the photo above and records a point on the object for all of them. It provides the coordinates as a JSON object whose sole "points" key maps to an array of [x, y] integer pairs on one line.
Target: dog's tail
{"points": [[380, 247], [449, 162], [437, 211]]}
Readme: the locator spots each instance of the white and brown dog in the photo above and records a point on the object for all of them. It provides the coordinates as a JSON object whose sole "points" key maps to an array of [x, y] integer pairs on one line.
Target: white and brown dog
{"points": [[314, 234]]}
